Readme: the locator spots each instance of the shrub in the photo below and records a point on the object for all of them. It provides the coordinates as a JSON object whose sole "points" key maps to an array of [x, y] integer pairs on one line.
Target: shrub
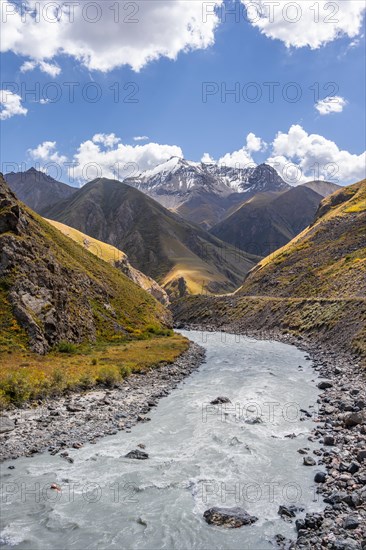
{"points": [[124, 371], [108, 375], [66, 347]]}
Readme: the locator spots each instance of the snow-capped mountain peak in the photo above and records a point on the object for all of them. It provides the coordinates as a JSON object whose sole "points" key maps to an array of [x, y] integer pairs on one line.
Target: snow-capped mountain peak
{"points": [[178, 181]]}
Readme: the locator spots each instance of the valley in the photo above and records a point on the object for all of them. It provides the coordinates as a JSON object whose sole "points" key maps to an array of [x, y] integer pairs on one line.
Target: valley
{"points": [[183, 275], [107, 378]]}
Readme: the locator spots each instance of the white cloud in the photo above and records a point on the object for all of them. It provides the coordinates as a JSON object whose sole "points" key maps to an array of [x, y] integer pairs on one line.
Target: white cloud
{"points": [[105, 156], [243, 157], [207, 159], [334, 104], [46, 153], [140, 138], [48, 68], [11, 105], [105, 35], [108, 140], [311, 24], [299, 156], [255, 144], [296, 155]]}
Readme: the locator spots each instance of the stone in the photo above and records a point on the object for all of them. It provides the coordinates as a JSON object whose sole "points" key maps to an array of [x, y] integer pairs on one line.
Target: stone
{"points": [[361, 455], [329, 440], [137, 455], [220, 400], [320, 477], [6, 424], [325, 384], [289, 511], [228, 517], [353, 468], [309, 461], [354, 419], [351, 522]]}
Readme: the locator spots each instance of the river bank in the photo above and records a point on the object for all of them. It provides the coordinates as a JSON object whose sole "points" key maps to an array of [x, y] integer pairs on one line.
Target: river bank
{"points": [[78, 418], [341, 431]]}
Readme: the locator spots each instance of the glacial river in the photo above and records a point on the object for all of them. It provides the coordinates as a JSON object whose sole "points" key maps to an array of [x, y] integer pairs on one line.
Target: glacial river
{"points": [[200, 456]]}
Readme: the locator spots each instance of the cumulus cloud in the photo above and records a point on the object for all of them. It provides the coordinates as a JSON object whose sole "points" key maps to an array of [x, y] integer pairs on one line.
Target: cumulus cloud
{"points": [[296, 155], [207, 159], [46, 153], [105, 35], [105, 156], [243, 157], [299, 24], [299, 156], [140, 138], [334, 104], [10, 105]]}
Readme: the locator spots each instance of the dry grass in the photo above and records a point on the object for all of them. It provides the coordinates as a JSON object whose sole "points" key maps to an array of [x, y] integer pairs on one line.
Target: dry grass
{"points": [[26, 376]]}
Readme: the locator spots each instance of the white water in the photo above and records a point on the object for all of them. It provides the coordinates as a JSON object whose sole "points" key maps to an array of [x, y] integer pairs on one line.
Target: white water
{"points": [[199, 457]]}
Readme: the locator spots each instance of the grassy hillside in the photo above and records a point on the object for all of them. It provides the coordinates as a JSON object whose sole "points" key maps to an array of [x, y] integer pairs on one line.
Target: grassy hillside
{"points": [[59, 299], [115, 257], [326, 260], [314, 287], [176, 253], [268, 221]]}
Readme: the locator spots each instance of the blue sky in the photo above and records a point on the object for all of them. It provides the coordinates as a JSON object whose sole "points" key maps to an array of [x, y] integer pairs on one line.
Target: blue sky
{"points": [[164, 100]]}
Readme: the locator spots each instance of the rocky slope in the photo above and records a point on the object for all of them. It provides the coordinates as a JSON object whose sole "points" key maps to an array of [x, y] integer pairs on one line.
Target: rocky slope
{"points": [[52, 290], [36, 189], [268, 221], [314, 287], [179, 255], [202, 193], [115, 257], [326, 260], [323, 188]]}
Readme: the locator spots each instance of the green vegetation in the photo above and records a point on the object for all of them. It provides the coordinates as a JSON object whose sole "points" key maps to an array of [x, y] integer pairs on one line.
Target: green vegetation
{"points": [[327, 260], [27, 376]]}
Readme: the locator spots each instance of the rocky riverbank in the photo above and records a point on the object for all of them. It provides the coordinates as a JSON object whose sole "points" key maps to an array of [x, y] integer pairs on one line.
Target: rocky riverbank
{"points": [[79, 418], [340, 428]]}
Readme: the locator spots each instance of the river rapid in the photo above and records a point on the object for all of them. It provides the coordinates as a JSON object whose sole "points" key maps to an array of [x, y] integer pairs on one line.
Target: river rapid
{"points": [[242, 453]]}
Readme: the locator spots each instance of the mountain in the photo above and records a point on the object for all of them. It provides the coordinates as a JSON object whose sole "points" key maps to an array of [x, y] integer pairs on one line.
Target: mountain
{"points": [[181, 256], [323, 188], [313, 288], [115, 257], [268, 221], [327, 260], [36, 189], [202, 193], [52, 290]]}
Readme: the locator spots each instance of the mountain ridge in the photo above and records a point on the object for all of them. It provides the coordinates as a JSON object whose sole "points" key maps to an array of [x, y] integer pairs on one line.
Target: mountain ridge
{"points": [[161, 244], [36, 189]]}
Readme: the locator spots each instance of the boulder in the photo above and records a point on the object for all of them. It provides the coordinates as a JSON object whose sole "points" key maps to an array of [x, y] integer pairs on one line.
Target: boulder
{"points": [[309, 461], [219, 400], [354, 419], [351, 522], [325, 384], [137, 455], [320, 477], [329, 440], [228, 517]]}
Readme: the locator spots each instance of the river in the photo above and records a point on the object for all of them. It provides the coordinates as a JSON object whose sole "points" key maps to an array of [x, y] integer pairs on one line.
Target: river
{"points": [[200, 456]]}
